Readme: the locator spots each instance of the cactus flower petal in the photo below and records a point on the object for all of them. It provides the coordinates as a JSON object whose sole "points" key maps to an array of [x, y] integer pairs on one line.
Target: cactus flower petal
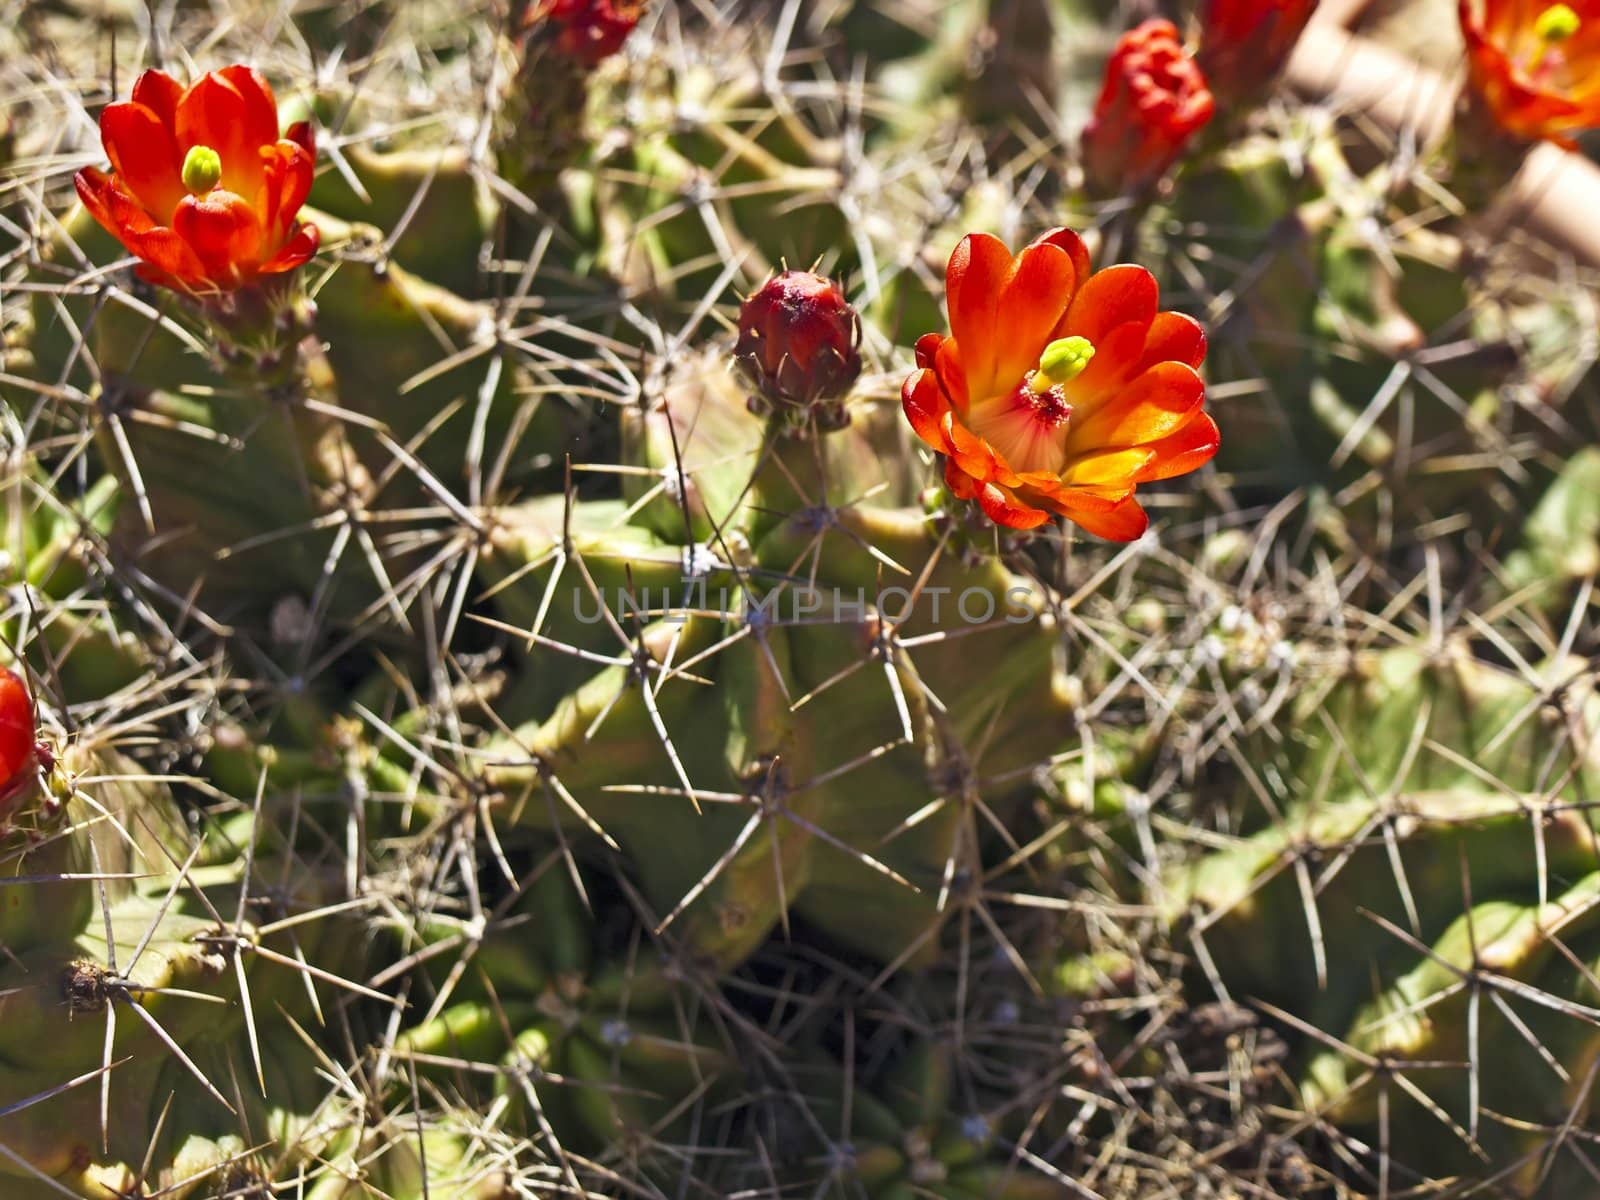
{"points": [[1537, 76], [18, 737], [1059, 391], [232, 217]]}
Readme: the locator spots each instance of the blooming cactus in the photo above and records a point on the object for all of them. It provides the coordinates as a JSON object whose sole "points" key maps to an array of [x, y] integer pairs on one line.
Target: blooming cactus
{"points": [[202, 190], [1153, 101], [1535, 69], [1058, 391]]}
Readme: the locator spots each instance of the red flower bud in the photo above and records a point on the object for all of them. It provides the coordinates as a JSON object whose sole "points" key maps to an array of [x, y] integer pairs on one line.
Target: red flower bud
{"points": [[1154, 100], [1244, 43], [18, 734], [798, 342], [590, 31]]}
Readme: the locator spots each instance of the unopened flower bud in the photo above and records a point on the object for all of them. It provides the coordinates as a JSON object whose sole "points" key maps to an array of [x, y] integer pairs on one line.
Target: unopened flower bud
{"points": [[799, 342]]}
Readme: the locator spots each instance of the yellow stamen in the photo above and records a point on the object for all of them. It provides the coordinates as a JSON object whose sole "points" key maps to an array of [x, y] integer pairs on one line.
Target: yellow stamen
{"points": [[202, 169], [1063, 360], [1557, 23]]}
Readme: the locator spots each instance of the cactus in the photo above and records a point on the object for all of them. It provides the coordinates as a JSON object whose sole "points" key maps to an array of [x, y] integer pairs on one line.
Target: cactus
{"points": [[524, 675]]}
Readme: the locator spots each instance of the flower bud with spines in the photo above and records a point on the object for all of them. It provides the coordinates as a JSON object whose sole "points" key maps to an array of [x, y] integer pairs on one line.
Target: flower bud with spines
{"points": [[799, 346]]}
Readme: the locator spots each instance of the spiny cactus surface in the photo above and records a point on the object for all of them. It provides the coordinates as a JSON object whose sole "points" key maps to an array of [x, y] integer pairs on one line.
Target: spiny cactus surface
{"points": [[891, 600]]}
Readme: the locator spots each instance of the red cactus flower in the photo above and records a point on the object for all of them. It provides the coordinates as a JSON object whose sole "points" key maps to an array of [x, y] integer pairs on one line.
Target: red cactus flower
{"points": [[1058, 391], [798, 340], [1153, 102], [590, 31], [18, 735], [202, 189], [1244, 43], [1535, 68]]}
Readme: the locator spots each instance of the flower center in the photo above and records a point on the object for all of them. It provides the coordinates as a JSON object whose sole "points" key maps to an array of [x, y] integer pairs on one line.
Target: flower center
{"points": [[1028, 425], [202, 169]]}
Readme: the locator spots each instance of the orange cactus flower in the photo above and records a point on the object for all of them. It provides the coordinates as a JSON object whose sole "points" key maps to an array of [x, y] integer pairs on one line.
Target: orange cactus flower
{"points": [[1153, 102], [1536, 68], [1245, 43], [202, 189], [1058, 391]]}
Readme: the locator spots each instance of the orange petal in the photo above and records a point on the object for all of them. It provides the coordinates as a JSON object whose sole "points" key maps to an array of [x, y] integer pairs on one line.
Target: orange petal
{"points": [[927, 346], [287, 172], [160, 93], [302, 244], [224, 232], [962, 485], [1173, 337], [1109, 468], [948, 362], [1003, 509], [978, 270], [144, 156], [1125, 522], [1155, 404], [1030, 304], [1186, 450], [1115, 296], [1069, 241], [974, 455], [126, 220], [925, 406], [1115, 363], [232, 112]]}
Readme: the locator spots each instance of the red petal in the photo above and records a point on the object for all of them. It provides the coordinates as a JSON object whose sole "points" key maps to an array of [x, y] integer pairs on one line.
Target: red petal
{"points": [[232, 112], [950, 365], [1072, 244], [160, 93], [93, 188], [295, 252], [1027, 309], [303, 134], [964, 486], [224, 231], [287, 172], [144, 156], [978, 270], [1002, 509], [1187, 450], [1112, 297], [1155, 404], [925, 405], [1174, 337], [1125, 522], [125, 219]]}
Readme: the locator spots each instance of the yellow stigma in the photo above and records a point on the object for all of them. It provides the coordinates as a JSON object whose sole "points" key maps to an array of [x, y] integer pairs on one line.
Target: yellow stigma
{"points": [[1557, 23], [202, 169], [1062, 361]]}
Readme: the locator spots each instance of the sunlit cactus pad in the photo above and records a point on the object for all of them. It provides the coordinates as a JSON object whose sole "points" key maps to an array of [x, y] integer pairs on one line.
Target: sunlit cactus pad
{"points": [[861, 600]]}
